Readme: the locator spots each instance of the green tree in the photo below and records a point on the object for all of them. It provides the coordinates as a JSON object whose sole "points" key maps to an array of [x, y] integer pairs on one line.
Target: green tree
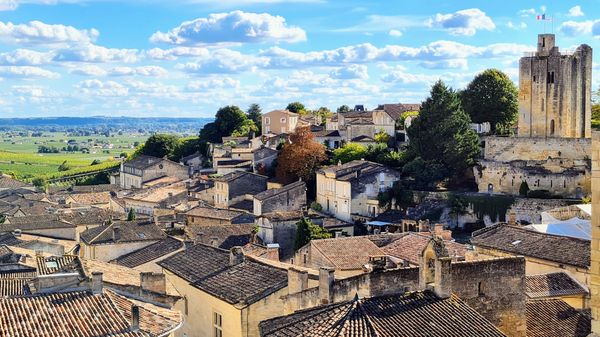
{"points": [[306, 231], [491, 97], [160, 145], [254, 114], [245, 128], [40, 183], [425, 174], [64, 166], [442, 134], [343, 109], [322, 114], [227, 120], [185, 147], [382, 137], [296, 107], [2, 218], [131, 216], [349, 152]]}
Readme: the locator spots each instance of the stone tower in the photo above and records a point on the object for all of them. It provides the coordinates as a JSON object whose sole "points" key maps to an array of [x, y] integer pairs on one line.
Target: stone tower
{"points": [[555, 91]]}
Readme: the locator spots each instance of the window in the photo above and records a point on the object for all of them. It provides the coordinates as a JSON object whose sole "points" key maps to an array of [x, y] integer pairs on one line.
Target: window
{"points": [[550, 77], [267, 120], [217, 325], [283, 120]]}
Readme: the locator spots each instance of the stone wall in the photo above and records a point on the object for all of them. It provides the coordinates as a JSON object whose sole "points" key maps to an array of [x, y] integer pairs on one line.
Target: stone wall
{"points": [[507, 149], [294, 199], [280, 232], [594, 283]]}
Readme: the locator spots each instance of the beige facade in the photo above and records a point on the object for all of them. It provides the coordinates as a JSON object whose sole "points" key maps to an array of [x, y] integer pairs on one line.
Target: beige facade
{"points": [[109, 252], [279, 121], [135, 173], [594, 283]]}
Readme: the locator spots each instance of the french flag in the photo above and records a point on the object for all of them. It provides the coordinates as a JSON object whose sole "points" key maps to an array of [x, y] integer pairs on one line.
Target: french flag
{"points": [[541, 17]]}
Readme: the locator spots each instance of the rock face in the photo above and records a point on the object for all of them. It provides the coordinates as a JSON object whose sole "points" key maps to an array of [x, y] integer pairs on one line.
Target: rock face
{"points": [[554, 91], [552, 150]]}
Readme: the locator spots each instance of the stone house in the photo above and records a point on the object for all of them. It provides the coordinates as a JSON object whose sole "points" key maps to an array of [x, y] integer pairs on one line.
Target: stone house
{"points": [[279, 228], [279, 121], [244, 159], [557, 286], [135, 173], [224, 236], [109, 242], [148, 200], [544, 253], [194, 161], [237, 186], [332, 139], [210, 216], [223, 292], [352, 188], [291, 197], [145, 259], [44, 225]]}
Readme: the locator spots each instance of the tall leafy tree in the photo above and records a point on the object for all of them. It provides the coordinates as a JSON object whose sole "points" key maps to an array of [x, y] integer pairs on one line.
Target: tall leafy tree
{"points": [[227, 120], [254, 113], [491, 97], [296, 107], [349, 152], [343, 108], [442, 133], [306, 231], [301, 157], [160, 145]]}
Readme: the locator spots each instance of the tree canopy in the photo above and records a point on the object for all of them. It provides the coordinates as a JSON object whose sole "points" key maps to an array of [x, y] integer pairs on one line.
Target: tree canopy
{"points": [[491, 97], [254, 114], [296, 107], [228, 120], [343, 108], [160, 145], [349, 152], [301, 157], [306, 231], [441, 134]]}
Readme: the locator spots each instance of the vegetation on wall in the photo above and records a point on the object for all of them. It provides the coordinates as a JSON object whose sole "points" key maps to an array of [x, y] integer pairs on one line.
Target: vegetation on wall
{"points": [[306, 231], [494, 206]]}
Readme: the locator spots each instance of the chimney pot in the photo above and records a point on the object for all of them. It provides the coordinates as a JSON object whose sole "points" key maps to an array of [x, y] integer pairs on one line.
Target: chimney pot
{"points": [[297, 280], [236, 256], [96, 282], [116, 233], [135, 317], [326, 279]]}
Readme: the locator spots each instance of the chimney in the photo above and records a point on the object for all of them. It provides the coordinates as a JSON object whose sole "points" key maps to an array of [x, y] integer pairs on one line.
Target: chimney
{"points": [[199, 238], [116, 233], [187, 244], [154, 282], [443, 277], [512, 219], [135, 317], [96, 282], [236, 256], [326, 278], [297, 280]]}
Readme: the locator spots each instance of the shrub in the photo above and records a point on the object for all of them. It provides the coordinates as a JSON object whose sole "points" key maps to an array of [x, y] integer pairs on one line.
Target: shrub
{"points": [[316, 206]]}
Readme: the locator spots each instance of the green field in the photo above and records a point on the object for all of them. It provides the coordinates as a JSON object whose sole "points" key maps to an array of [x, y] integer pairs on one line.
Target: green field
{"points": [[19, 157]]}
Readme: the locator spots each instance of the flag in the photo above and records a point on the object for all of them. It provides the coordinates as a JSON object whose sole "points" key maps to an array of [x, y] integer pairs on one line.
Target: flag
{"points": [[541, 17]]}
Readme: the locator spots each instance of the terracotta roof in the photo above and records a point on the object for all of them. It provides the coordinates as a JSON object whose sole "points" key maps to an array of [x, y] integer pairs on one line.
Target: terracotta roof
{"points": [[130, 231], [215, 213], [10, 183], [410, 246], [91, 198], [92, 216], [149, 253], [346, 253], [327, 133], [519, 241], [229, 177], [396, 110], [157, 194], [554, 317], [283, 216], [552, 285], [411, 314], [276, 191], [82, 314], [196, 262], [226, 236], [9, 239], [143, 162], [34, 222], [59, 264], [14, 286]]}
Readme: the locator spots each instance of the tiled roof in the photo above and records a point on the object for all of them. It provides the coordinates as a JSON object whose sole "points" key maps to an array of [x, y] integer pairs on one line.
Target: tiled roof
{"points": [[14, 286], [327, 133], [354, 170], [9, 239], [229, 177], [554, 317], [143, 162], [276, 191], [411, 314], [10, 183], [243, 205], [215, 213], [362, 138], [283, 216], [150, 253], [519, 241], [196, 262], [59, 264], [92, 216], [226, 236], [346, 253], [245, 283], [410, 246], [82, 314], [91, 198], [396, 110], [34, 222], [552, 285], [130, 231]]}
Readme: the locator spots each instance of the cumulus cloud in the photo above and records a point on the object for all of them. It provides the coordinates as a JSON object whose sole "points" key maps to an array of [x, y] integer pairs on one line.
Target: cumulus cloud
{"points": [[353, 71], [26, 72], [8, 5], [25, 57], [150, 71], [445, 64], [96, 54], [516, 26], [395, 33], [220, 82], [89, 70], [575, 28], [99, 88], [223, 61], [231, 28], [463, 22], [575, 11], [176, 52], [39, 33], [526, 12]]}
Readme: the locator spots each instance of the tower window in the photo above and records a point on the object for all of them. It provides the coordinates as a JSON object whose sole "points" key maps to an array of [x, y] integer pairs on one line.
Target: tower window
{"points": [[550, 77], [543, 42]]}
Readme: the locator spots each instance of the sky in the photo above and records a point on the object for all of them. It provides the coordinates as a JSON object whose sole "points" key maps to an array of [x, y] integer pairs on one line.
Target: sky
{"points": [[187, 58]]}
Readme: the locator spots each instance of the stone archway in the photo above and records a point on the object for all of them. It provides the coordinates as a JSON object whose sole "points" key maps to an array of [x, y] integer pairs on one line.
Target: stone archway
{"points": [[490, 188]]}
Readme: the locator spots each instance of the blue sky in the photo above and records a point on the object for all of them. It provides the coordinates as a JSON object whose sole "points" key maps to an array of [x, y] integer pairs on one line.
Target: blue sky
{"points": [[187, 58]]}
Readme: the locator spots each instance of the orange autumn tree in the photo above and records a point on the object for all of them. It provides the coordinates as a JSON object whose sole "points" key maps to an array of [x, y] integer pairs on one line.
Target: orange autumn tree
{"points": [[301, 157]]}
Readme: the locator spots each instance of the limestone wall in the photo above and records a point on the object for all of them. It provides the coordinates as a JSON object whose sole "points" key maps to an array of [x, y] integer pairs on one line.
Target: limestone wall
{"points": [[507, 149], [594, 283]]}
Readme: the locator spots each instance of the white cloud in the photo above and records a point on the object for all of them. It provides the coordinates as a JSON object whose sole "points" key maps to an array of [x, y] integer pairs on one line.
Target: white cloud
{"points": [[516, 26], [89, 70], [384, 23], [395, 33], [150, 71], [99, 88], [220, 82], [39, 33], [526, 12], [224, 61], [575, 11], [353, 71], [445, 64], [8, 5], [174, 53], [96, 54], [26, 72], [463, 22], [575, 28], [231, 28], [25, 57]]}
